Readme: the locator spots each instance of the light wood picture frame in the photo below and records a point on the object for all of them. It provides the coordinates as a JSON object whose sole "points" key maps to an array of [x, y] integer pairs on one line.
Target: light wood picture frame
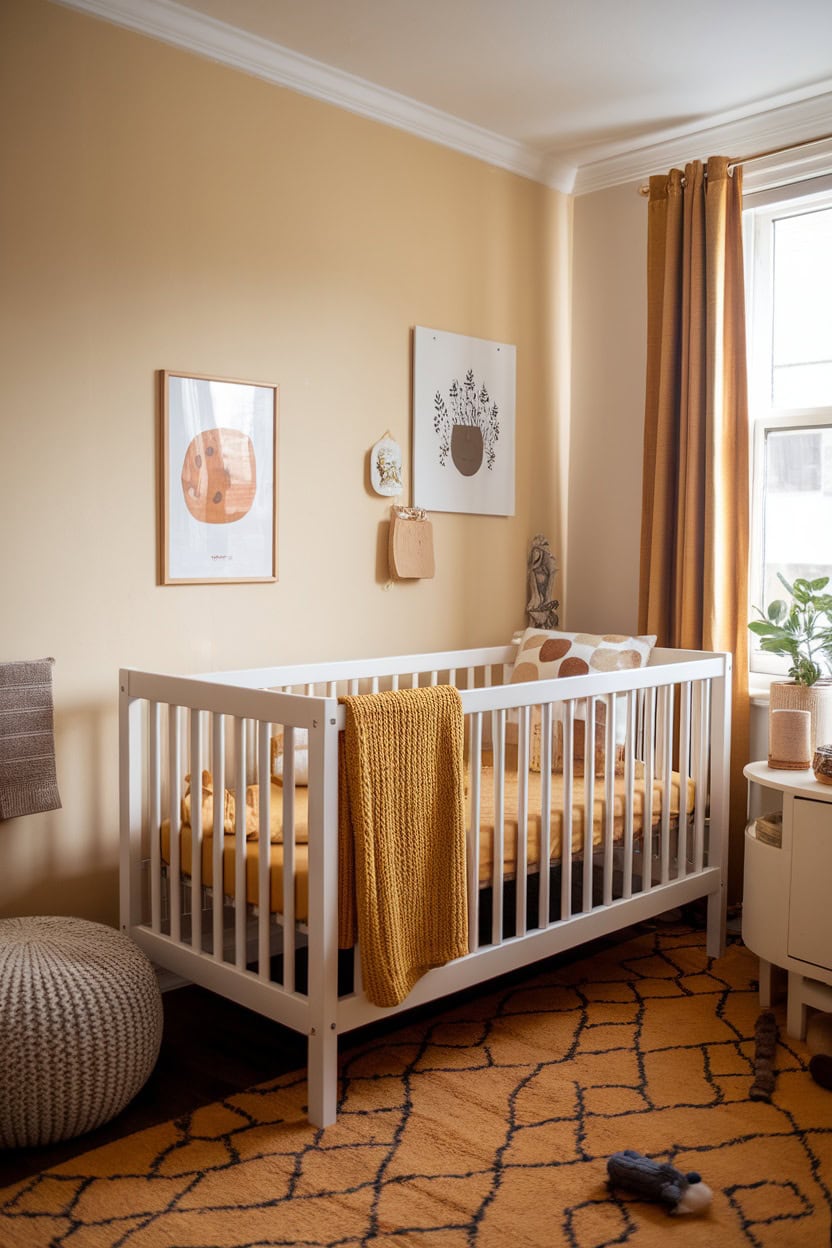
{"points": [[217, 479]]}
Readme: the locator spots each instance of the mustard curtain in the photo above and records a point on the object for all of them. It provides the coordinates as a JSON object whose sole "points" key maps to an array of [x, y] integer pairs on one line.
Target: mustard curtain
{"points": [[693, 589]]}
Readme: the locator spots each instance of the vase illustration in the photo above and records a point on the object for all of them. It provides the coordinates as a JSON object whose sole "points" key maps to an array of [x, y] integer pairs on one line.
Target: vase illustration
{"points": [[467, 449]]}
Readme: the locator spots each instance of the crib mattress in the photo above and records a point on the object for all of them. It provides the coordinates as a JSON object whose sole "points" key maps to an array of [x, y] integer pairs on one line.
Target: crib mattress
{"points": [[487, 829]]}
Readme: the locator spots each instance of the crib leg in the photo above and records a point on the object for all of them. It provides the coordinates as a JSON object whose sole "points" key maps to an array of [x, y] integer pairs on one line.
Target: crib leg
{"points": [[322, 1076], [717, 913]]}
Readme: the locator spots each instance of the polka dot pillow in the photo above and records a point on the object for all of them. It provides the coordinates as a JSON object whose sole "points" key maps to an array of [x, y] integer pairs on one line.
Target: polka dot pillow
{"points": [[546, 655], [543, 655]]}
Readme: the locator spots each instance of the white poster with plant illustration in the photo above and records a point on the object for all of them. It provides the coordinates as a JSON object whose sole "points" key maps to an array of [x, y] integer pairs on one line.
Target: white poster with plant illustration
{"points": [[463, 423]]}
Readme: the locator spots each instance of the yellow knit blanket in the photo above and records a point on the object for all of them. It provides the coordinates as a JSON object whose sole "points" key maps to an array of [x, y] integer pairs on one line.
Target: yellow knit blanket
{"points": [[404, 820]]}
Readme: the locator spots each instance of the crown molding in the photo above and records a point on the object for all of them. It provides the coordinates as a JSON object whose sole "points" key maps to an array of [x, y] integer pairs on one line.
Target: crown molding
{"points": [[185, 28], [768, 127], [776, 122]]}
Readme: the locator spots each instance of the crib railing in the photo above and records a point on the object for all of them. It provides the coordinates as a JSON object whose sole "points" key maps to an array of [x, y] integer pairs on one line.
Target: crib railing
{"points": [[258, 922]]}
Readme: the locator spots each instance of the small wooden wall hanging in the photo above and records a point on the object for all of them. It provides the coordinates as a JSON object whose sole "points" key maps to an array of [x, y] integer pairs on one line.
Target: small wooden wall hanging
{"points": [[411, 544]]}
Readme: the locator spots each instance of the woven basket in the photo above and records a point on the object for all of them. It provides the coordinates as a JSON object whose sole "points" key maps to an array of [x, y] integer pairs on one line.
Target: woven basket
{"points": [[80, 1027], [822, 764]]}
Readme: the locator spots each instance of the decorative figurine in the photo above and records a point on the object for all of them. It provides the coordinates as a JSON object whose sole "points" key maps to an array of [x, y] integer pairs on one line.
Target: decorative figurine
{"points": [[542, 606]]}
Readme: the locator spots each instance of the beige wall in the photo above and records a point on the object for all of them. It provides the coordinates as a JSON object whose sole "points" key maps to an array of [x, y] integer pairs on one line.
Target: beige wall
{"points": [[609, 342], [161, 211]]}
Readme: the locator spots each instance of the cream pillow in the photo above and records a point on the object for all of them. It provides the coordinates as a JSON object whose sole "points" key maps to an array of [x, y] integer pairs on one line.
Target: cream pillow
{"points": [[301, 757], [545, 655]]}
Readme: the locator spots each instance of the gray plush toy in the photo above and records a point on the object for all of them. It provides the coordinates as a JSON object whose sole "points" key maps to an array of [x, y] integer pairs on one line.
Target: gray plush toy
{"points": [[653, 1180]]}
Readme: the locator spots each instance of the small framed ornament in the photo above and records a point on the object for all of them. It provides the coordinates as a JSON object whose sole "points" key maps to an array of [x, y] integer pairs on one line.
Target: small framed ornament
{"points": [[386, 466]]}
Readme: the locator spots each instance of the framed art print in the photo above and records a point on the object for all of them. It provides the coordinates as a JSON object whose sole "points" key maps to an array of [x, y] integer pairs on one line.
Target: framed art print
{"points": [[463, 423], [218, 480]]}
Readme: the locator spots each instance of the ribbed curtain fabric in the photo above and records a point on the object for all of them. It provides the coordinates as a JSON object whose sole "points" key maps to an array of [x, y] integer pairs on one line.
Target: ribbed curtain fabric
{"points": [[693, 589]]}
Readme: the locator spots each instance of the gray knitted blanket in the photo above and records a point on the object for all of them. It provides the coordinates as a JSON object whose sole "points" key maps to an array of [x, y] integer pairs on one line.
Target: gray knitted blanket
{"points": [[28, 783]]}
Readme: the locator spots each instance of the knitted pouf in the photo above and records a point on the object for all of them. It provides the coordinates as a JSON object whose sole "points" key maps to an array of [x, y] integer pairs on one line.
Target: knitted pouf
{"points": [[80, 1027]]}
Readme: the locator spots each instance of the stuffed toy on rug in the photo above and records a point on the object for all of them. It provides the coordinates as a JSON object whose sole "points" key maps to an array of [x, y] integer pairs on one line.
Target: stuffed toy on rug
{"points": [[765, 1050], [653, 1180]]}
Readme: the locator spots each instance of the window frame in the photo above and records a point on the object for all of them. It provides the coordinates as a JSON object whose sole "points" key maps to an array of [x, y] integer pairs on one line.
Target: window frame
{"points": [[761, 209]]}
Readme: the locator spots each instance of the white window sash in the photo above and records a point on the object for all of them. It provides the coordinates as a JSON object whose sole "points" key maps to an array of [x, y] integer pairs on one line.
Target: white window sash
{"points": [[761, 210]]}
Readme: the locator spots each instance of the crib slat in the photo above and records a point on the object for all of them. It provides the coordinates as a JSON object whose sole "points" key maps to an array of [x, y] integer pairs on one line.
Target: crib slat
{"points": [[545, 812], [240, 845], [684, 768], [609, 825], [473, 836], [218, 769], [522, 856], [703, 689], [649, 748], [264, 850], [131, 806], [629, 776], [666, 768], [288, 859], [154, 814], [196, 829], [589, 803], [498, 738], [175, 796], [566, 818]]}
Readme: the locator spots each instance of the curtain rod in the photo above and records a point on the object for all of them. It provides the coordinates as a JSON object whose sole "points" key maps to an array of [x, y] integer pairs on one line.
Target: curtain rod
{"points": [[772, 151]]}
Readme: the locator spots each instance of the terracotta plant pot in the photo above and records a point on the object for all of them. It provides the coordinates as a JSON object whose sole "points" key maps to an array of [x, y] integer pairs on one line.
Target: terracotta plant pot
{"points": [[467, 449]]}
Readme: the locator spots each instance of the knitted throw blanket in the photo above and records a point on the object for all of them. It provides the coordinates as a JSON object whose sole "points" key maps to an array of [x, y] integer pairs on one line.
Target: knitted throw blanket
{"points": [[402, 815], [28, 783]]}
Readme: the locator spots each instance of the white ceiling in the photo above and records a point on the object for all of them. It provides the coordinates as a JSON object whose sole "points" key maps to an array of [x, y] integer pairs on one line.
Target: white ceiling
{"points": [[563, 85]]}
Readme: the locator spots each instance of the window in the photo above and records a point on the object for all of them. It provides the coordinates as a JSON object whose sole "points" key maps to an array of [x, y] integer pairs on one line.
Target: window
{"points": [[788, 242]]}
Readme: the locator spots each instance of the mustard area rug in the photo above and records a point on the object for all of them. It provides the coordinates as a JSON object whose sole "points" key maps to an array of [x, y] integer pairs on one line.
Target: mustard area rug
{"points": [[487, 1124]]}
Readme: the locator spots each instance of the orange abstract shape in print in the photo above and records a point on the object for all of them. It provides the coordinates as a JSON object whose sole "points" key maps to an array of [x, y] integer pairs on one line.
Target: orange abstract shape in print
{"points": [[219, 476]]}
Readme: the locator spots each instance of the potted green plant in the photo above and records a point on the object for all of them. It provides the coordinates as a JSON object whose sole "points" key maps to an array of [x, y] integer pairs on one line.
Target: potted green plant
{"points": [[802, 631]]}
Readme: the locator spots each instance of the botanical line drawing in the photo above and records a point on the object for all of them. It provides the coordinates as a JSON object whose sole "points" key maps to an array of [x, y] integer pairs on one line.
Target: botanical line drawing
{"points": [[469, 432]]}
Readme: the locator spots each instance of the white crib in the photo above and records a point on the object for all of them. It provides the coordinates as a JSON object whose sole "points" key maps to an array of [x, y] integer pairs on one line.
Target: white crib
{"points": [[268, 938]]}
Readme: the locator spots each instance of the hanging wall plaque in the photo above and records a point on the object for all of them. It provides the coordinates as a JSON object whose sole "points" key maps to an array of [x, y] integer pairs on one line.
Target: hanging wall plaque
{"points": [[411, 544], [386, 466]]}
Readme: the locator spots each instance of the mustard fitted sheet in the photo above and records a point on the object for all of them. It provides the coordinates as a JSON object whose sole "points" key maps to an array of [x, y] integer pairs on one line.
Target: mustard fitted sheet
{"points": [[487, 824]]}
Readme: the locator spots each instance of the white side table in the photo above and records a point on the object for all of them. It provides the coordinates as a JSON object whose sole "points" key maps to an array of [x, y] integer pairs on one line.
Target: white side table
{"points": [[787, 893]]}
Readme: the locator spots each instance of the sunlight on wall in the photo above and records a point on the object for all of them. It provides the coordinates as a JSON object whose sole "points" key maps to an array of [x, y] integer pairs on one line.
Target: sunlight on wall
{"points": [[172, 213]]}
